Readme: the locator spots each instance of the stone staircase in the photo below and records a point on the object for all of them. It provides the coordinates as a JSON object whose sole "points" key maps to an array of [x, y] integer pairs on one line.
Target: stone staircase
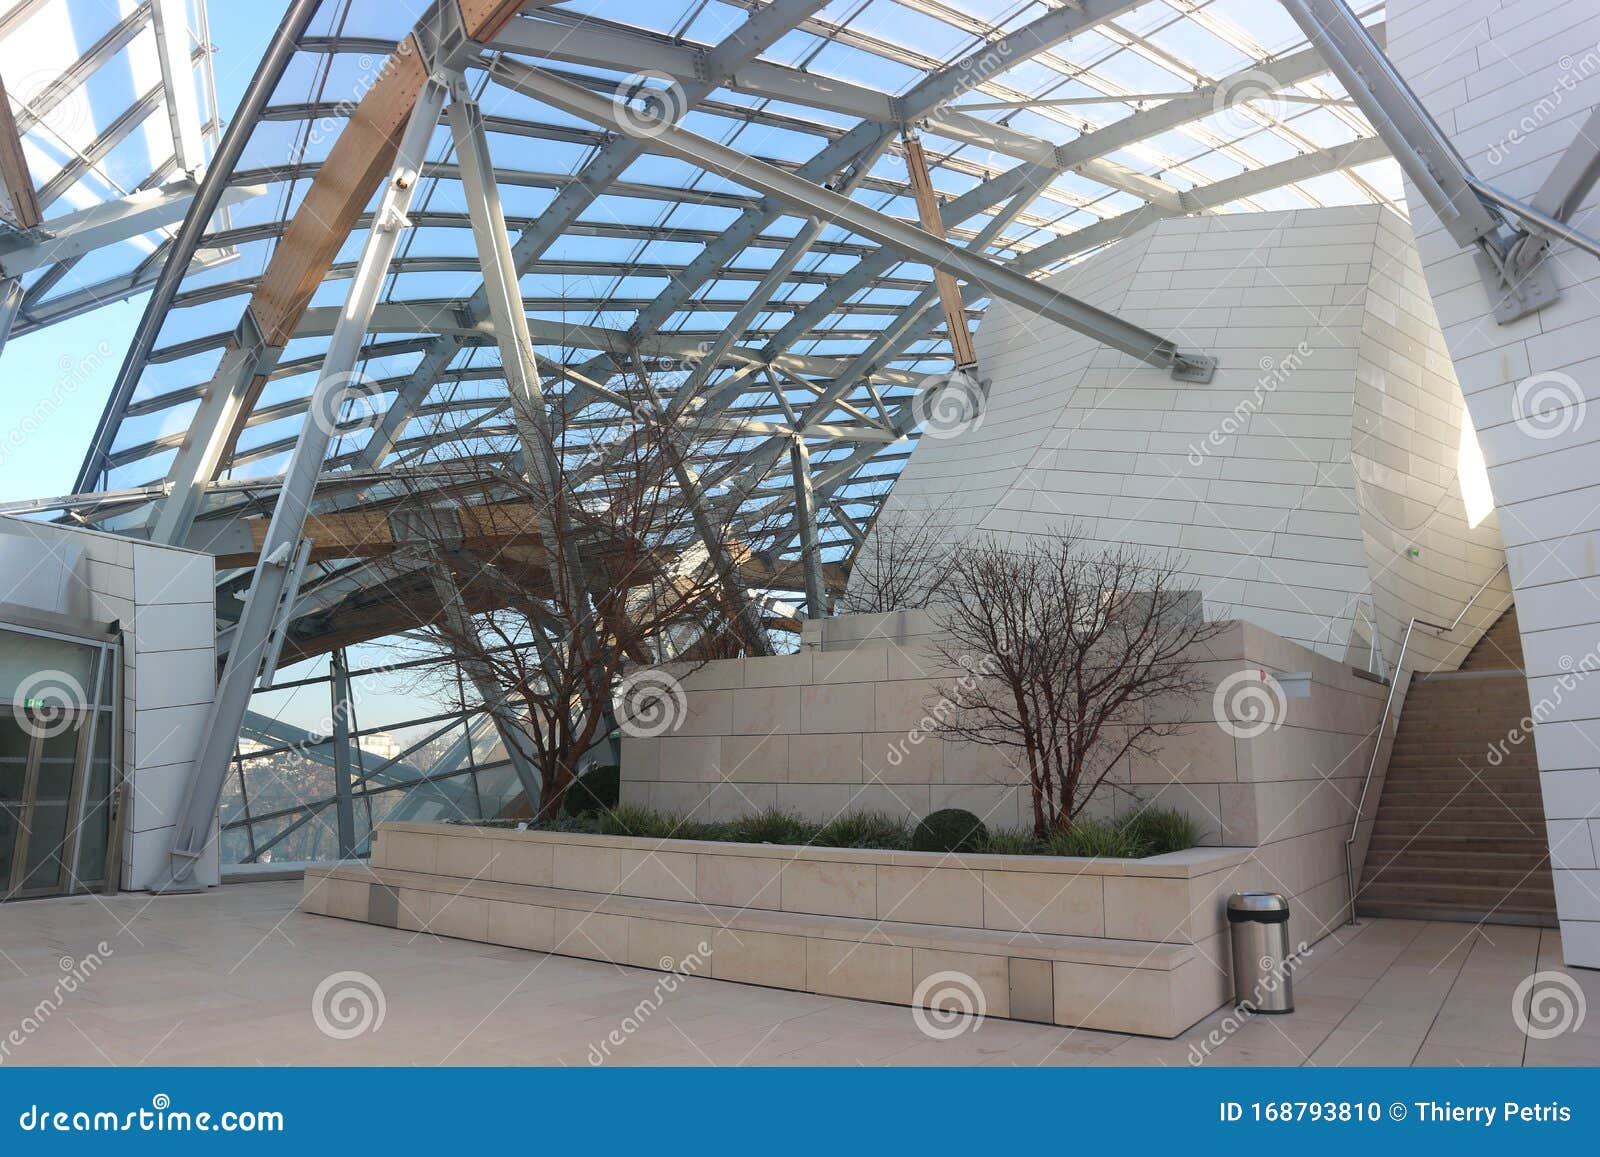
{"points": [[1460, 829]]}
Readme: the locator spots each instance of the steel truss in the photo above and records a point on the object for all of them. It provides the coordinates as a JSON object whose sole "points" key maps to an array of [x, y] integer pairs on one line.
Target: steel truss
{"points": [[738, 224]]}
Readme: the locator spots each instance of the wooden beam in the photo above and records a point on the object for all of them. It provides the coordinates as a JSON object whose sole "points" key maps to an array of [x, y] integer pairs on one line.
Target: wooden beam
{"points": [[955, 313], [14, 168], [344, 186]]}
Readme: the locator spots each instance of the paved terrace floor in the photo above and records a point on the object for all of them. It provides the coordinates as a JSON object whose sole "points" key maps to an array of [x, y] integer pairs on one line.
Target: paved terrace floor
{"points": [[229, 978]]}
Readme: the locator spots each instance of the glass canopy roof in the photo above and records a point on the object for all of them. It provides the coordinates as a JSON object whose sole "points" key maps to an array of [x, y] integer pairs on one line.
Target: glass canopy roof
{"points": [[1050, 128], [630, 252], [99, 126]]}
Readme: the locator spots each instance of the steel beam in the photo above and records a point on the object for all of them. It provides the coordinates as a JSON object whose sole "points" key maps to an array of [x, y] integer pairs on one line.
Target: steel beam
{"points": [[526, 393], [759, 32], [1424, 152], [119, 219], [1104, 327], [11, 293], [519, 749], [341, 705], [805, 507], [177, 81], [267, 74], [197, 811]]}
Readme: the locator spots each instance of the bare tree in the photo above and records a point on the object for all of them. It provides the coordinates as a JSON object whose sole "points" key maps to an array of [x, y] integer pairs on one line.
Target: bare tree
{"points": [[547, 598], [1087, 655], [902, 563]]}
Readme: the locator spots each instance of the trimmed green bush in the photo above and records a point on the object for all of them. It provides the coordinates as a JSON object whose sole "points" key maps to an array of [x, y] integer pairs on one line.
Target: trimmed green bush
{"points": [[950, 830], [865, 830], [1158, 830], [599, 789], [1150, 832], [1014, 842], [1093, 838], [773, 826]]}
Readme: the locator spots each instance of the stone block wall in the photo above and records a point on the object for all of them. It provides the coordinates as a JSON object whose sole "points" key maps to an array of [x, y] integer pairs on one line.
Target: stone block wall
{"points": [[823, 733]]}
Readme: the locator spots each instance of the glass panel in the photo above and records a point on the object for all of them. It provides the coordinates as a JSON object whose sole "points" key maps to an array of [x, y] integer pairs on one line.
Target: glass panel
{"points": [[95, 834], [14, 745], [58, 759], [47, 673]]}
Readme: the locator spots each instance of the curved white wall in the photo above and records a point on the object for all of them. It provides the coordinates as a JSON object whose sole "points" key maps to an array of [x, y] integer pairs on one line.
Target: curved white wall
{"points": [[1511, 84], [1318, 472]]}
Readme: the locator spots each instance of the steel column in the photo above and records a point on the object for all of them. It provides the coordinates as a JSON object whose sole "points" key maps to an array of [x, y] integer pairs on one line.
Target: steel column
{"points": [[197, 811], [526, 393], [340, 706], [805, 507], [11, 294], [199, 457], [506, 723]]}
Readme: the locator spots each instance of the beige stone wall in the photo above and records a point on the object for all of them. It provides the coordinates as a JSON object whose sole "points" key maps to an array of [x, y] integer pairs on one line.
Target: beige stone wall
{"points": [[824, 732], [1122, 945]]}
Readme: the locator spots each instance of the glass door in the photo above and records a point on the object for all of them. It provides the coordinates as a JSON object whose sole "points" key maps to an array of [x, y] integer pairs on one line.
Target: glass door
{"points": [[57, 743], [16, 752]]}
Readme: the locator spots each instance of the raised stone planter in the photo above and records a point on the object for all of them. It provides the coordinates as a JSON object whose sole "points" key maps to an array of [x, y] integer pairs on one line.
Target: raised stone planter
{"points": [[1122, 945]]}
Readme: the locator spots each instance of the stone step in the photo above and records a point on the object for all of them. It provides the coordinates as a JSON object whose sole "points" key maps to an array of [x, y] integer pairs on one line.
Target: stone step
{"points": [[1535, 917], [1432, 856], [1458, 812], [1442, 826], [1528, 897], [1531, 877]]}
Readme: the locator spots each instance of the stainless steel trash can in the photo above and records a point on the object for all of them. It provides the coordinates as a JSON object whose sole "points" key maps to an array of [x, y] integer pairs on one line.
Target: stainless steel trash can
{"points": [[1259, 925]]}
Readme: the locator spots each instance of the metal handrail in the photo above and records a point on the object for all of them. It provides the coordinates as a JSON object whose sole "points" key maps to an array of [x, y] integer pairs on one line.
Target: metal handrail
{"points": [[1383, 724]]}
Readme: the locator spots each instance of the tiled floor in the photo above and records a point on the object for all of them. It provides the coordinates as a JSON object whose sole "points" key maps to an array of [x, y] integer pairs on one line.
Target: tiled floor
{"points": [[231, 977]]}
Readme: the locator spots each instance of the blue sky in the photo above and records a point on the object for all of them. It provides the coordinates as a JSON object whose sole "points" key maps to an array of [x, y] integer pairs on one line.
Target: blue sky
{"points": [[47, 461]]}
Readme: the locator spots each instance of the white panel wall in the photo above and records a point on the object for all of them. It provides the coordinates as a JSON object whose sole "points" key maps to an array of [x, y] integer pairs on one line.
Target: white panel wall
{"points": [[1317, 474], [1511, 83], [164, 599]]}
